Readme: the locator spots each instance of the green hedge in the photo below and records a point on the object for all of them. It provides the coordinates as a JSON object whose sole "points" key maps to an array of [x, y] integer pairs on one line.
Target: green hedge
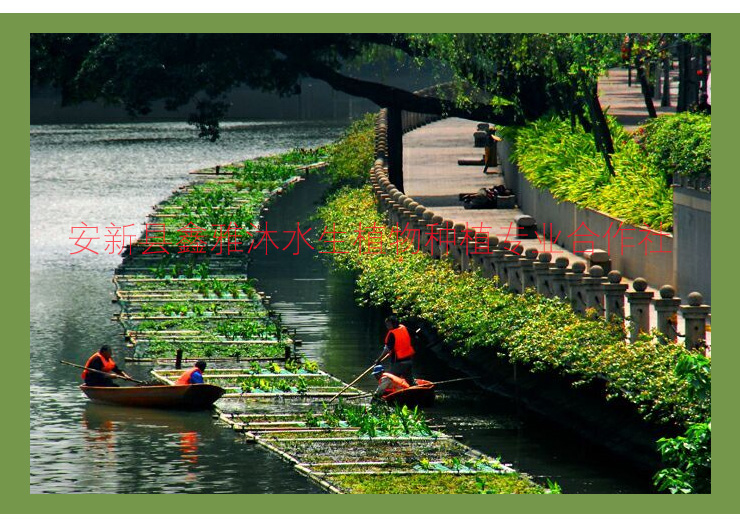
{"points": [[678, 143], [472, 313], [564, 160], [352, 156]]}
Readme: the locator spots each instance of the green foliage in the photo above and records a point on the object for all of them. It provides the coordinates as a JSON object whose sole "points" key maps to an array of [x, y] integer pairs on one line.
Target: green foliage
{"points": [[678, 143], [377, 420], [352, 156], [563, 159], [472, 313], [437, 483], [689, 457]]}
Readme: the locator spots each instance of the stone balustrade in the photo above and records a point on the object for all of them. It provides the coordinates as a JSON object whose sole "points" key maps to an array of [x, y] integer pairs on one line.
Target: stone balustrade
{"points": [[598, 289]]}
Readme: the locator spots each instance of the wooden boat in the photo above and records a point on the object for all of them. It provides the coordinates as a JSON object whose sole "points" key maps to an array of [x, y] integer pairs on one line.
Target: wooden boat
{"points": [[189, 397], [421, 395]]}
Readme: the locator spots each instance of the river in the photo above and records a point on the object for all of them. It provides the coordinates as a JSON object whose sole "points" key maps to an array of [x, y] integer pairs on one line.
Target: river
{"points": [[115, 173]]}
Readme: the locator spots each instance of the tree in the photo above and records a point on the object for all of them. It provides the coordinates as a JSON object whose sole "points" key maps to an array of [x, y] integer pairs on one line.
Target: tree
{"points": [[503, 78], [534, 74], [134, 70]]}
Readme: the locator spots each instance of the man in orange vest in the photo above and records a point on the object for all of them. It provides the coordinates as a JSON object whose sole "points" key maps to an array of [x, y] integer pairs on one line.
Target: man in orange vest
{"points": [[387, 383], [194, 375], [102, 361], [398, 346]]}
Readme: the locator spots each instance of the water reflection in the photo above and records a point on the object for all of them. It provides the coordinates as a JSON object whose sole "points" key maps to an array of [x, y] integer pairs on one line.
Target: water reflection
{"points": [[98, 174]]}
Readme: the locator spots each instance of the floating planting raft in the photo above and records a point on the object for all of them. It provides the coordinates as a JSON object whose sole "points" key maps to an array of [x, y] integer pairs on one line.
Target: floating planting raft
{"points": [[204, 304], [356, 448], [183, 284], [290, 378], [350, 447]]}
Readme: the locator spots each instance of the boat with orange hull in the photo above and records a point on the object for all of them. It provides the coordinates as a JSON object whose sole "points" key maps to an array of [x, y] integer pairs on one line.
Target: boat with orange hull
{"points": [[188, 397], [421, 395]]}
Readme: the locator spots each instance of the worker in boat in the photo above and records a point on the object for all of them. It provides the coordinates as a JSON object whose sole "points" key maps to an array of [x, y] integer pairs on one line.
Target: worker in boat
{"points": [[398, 347], [102, 360], [194, 375], [387, 383]]}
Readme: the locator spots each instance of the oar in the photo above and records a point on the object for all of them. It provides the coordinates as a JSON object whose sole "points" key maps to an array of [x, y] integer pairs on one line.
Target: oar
{"points": [[435, 383], [110, 374], [363, 374]]}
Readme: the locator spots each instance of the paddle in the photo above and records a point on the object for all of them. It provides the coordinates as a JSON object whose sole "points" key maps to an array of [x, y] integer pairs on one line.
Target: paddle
{"points": [[431, 383], [435, 383], [363, 374], [105, 373]]}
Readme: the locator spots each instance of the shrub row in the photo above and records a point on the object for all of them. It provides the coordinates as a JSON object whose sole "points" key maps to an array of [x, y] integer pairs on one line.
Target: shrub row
{"points": [[563, 159], [473, 313]]}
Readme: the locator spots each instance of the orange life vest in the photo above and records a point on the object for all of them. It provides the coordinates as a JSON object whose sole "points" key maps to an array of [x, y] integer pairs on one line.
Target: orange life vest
{"points": [[397, 383], [185, 378], [402, 346], [108, 365]]}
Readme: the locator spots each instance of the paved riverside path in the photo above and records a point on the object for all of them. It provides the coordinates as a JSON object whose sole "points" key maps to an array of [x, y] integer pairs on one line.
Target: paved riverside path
{"points": [[433, 178], [626, 103]]}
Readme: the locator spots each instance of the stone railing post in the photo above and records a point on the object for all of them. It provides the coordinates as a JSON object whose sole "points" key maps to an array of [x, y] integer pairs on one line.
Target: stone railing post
{"points": [[542, 274], [666, 308], [434, 236], [497, 260], [512, 269], [614, 297], [639, 301], [574, 286], [593, 292], [695, 319], [459, 252], [526, 269], [446, 233], [426, 228], [559, 287], [485, 261]]}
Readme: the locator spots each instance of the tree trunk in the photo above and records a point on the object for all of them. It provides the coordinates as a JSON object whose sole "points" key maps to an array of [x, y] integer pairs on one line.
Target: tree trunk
{"points": [[601, 132], [665, 100], [647, 88], [395, 148], [684, 77]]}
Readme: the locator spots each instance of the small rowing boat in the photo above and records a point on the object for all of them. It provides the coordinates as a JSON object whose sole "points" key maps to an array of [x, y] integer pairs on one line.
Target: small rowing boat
{"points": [[421, 395], [189, 397]]}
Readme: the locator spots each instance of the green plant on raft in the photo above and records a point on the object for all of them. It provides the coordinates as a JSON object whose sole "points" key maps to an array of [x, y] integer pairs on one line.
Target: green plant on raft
{"points": [[274, 368], [553, 487], [310, 419], [301, 385], [254, 367], [425, 464], [311, 366], [292, 365]]}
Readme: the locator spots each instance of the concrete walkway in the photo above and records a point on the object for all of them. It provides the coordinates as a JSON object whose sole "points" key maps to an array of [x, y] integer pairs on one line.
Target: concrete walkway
{"points": [[433, 178], [626, 103]]}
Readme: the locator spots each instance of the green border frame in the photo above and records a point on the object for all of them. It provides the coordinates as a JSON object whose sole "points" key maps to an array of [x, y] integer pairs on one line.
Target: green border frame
{"points": [[14, 43]]}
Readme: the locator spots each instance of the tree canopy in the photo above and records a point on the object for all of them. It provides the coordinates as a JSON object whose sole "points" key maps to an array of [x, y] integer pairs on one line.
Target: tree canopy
{"points": [[514, 76], [503, 78]]}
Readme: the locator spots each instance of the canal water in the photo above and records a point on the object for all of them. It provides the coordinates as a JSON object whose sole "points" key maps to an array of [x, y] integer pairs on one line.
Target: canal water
{"points": [[103, 174], [319, 302], [115, 173]]}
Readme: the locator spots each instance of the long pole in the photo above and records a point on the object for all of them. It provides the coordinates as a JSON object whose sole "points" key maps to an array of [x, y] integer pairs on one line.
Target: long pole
{"points": [[452, 380], [104, 373], [363, 374]]}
